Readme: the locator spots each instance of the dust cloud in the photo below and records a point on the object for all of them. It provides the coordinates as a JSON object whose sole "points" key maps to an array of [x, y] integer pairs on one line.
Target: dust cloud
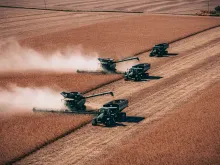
{"points": [[14, 58], [16, 98]]}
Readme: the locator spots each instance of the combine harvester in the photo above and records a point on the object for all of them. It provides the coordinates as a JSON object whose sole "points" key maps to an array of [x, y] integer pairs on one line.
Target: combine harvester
{"points": [[137, 72], [74, 103], [159, 50], [111, 113], [108, 66], [108, 114]]}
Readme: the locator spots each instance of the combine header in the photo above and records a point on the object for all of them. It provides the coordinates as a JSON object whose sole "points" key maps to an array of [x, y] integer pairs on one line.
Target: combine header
{"points": [[111, 113], [74, 102], [109, 65], [159, 50], [137, 72]]}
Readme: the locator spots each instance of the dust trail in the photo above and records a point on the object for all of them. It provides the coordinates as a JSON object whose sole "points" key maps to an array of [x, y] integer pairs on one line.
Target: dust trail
{"points": [[24, 98], [14, 57]]}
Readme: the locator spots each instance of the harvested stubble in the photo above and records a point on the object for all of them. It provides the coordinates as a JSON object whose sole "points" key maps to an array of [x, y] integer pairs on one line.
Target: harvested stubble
{"points": [[190, 136]]}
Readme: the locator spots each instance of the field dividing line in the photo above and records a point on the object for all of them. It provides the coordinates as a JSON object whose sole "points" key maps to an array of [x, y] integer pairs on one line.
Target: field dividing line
{"points": [[66, 10]]}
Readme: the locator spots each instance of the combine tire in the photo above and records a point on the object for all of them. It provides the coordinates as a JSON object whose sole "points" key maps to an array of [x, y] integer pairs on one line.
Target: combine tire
{"points": [[94, 122], [110, 122]]}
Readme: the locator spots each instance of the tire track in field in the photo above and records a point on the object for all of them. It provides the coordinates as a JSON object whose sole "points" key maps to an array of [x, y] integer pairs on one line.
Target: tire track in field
{"points": [[117, 4], [186, 5], [144, 7], [76, 2], [90, 5], [87, 144], [159, 8]]}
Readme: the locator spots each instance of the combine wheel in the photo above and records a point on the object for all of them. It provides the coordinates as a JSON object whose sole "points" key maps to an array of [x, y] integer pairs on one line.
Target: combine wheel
{"points": [[94, 122], [110, 122]]}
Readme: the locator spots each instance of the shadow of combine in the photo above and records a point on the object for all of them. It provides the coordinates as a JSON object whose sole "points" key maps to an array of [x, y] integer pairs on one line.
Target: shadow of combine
{"points": [[134, 119], [130, 119], [168, 55], [154, 77], [147, 78]]}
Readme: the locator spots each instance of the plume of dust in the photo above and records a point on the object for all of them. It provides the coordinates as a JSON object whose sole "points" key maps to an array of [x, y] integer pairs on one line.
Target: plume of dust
{"points": [[24, 98], [14, 57]]}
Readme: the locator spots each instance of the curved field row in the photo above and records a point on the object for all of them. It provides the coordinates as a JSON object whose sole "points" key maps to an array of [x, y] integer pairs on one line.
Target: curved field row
{"points": [[187, 7], [103, 38], [151, 100]]}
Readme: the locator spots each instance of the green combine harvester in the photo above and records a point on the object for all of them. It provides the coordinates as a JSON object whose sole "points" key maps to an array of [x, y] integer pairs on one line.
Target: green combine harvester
{"points": [[159, 50], [137, 72], [108, 66], [111, 113], [74, 102]]}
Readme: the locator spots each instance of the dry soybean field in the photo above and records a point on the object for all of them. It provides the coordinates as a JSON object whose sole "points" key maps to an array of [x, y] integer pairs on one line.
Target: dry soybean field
{"points": [[172, 118]]}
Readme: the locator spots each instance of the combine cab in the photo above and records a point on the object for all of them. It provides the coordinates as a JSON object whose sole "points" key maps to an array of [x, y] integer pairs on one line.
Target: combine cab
{"points": [[108, 65], [74, 102], [137, 72], [159, 50], [111, 113]]}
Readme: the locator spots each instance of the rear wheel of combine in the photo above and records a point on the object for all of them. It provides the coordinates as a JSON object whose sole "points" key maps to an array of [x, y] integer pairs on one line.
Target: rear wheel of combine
{"points": [[110, 122], [94, 122]]}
